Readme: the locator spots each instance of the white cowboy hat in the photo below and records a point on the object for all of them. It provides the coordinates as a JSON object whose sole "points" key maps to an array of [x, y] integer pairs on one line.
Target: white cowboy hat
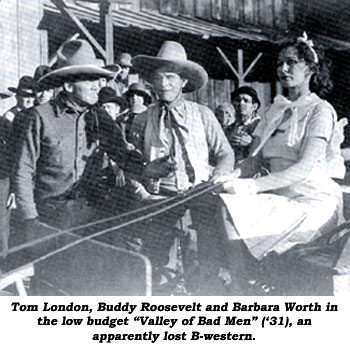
{"points": [[75, 60], [172, 57]]}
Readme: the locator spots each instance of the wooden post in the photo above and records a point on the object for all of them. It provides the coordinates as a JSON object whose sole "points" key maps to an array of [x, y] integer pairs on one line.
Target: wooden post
{"points": [[60, 4], [239, 73], [106, 19], [240, 67]]}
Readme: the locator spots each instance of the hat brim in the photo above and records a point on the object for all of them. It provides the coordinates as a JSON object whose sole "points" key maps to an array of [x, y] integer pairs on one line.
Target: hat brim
{"points": [[4, 95], [21, 92], [127, 65], [59, 76], [189, 70], [118, 100], [147, 97]]}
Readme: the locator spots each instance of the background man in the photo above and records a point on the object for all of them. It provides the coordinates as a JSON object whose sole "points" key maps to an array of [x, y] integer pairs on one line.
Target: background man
{"points": [[121, 68], [246, 103], [25, 97]]}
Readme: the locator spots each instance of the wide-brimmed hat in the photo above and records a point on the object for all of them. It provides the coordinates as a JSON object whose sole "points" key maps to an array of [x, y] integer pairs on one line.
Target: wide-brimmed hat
{"points": [[124, 60], [172, 57], [40, 71], [5, 94], [26, 87], [76, 60], [115, 68], [247, 90], [139, 89], [107, 94]]}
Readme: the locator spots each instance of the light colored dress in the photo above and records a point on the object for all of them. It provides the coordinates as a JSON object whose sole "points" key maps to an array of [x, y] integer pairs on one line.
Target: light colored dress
{"points": [[278, 220]]}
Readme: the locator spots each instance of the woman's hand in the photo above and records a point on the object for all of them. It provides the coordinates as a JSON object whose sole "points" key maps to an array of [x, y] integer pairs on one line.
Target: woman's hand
{"points": [[230, 184]]}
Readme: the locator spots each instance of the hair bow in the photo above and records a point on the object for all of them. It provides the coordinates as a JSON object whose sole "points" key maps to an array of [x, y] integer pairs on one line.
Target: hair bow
{"points": [[309, 44]]}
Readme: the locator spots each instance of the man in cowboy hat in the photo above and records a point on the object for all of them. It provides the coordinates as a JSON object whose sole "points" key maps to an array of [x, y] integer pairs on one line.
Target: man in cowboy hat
{"points": [[178, 136], [25, 96], [42, 95], [240, 135], [121, 69], [65, 141]]}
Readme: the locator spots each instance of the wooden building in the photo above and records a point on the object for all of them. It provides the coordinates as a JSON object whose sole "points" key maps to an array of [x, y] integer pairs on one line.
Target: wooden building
{"points": [[243, 30]]}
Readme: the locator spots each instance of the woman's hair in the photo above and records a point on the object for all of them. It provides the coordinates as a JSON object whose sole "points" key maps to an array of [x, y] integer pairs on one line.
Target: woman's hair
{"points": [[320, 81]]}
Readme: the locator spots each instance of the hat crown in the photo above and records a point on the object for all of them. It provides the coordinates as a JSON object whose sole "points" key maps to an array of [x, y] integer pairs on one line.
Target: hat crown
{"points": [[107, 92], [25, 82], [41, 71], [172, 50], [135, 87], [76, 53], [124, 59]]}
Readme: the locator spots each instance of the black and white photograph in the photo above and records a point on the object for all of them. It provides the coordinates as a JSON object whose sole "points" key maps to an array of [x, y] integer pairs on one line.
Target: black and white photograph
{"points": [[183, 148]]}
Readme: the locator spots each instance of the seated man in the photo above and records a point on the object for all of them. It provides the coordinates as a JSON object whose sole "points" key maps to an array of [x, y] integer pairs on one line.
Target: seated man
{"points": [[176, 136], [65, 142]]}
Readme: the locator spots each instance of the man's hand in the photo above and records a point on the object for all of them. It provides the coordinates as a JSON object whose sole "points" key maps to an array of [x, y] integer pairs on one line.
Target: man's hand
{"points": [[120, 178], [160, 167], [242, 139]]}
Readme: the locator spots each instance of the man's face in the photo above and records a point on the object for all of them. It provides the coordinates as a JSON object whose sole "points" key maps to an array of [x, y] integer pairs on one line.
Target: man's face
{"points": [[124, 72], [25, 102], [44, 96], [245, 106], [112, 109], [167, 85], [86, 90]]}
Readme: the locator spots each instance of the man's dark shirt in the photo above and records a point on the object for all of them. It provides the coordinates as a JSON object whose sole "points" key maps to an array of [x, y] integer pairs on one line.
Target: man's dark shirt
{"points": [[59, 142]]}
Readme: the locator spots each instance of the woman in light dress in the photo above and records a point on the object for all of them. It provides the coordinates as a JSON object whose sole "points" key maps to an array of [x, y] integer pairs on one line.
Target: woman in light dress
{"points": [[283, 194]]}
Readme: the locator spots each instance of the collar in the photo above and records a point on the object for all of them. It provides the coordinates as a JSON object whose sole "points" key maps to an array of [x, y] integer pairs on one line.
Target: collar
{"points": [[69, 104], [178, 104]]}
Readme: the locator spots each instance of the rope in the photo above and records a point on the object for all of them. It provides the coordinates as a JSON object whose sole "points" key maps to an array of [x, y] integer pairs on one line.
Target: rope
{"points": [[148, 216], [76, 228], [185, 198]]}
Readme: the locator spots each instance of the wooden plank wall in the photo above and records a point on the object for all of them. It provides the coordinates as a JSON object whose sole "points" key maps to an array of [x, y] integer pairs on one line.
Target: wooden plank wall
{"points": [[22, 46], [217, 92], [269, 13]]}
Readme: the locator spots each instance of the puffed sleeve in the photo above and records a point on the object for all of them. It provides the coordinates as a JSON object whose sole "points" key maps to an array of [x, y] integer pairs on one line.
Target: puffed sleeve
{"points": [[321, 122]]}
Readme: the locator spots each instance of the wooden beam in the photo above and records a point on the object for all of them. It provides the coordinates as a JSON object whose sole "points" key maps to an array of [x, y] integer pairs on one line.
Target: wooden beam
{"points": [[251, 66], [53, 58], [240, 67], [106, 18], [60, 4], [227, 61]]}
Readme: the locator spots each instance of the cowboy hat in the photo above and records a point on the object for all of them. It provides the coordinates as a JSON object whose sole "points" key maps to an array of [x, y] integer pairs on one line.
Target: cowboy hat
{"points": [[172, 57], [139, 89], [107, 94], [124, 60], [246, 90], [76, 60], [26, 87], [40, 71], [5, 94], [115, 68]]}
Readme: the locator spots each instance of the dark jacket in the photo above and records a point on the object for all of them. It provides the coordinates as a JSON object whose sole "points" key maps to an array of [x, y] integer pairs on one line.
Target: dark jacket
{"points": [[62, 150]]}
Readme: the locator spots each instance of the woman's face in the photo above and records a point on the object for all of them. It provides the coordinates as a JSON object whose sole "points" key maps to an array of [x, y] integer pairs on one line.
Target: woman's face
{"points": [[291, 70], [136, 99]]}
